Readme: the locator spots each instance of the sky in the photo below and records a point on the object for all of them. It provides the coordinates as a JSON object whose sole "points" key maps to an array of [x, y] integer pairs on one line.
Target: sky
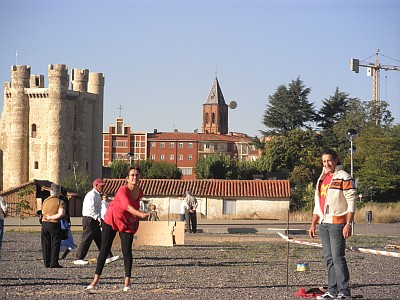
{"points": [[160, 57]]}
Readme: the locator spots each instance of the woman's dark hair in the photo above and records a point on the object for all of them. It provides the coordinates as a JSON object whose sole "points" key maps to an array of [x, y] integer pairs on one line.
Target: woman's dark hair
{"points": [[333, 153]]}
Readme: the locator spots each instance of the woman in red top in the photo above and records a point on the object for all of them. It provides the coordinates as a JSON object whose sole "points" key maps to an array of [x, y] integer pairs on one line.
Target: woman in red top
{"points": [[122, 216]]}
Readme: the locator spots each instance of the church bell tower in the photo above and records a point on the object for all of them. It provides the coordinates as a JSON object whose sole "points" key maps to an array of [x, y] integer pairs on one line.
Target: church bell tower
{"points": [[215, 111]]}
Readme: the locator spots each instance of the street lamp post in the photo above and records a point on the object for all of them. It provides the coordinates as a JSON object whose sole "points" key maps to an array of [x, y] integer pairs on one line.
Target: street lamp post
{"points": [[130, 154], [351, 135]]}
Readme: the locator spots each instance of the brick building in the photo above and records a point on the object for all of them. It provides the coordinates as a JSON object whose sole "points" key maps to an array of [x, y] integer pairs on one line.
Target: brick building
{"points": [[183, 149]]}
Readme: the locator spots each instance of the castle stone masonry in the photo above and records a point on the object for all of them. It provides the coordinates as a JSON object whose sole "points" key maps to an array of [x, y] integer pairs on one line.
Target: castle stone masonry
{"points": [[46, 132]]}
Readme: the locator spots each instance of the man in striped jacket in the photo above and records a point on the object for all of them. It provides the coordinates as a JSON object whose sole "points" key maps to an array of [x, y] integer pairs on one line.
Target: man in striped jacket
{"points": [[335, 203]]}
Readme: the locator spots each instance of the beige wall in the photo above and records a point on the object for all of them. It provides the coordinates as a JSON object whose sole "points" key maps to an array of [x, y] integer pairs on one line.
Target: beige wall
{"points": [[212, 208]]}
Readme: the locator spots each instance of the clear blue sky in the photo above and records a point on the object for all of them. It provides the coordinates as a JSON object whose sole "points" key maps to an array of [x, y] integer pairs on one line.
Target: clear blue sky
{"points": [[160, 57]]}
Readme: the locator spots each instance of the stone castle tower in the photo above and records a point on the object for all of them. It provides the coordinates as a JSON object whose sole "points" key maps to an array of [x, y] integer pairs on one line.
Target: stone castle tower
{"points": [[47, 132], [215, 111]]}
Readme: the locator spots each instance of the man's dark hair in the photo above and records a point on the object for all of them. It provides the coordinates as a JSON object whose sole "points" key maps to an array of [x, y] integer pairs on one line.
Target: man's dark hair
{"points": [[333, 153]]}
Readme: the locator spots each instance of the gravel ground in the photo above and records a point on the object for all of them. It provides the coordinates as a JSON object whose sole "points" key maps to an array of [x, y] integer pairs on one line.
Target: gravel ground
{"points": [[208, 266]]}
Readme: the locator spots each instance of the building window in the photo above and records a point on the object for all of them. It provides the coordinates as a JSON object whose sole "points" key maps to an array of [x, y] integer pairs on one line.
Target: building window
{"points": [[171, 157], [137, 144], [190, 157], [162, 145], [180, 145], [115, 156], [222, 146], [216, 147], [123, 144], [181, 157], [212, 118], [36, 165], [119, 127], [162, 157], [153, 157], [152, 144], [190, 145], [229, 207], [207, 146], [115, 144], [186, 171], [172, 145], [33, 131]]}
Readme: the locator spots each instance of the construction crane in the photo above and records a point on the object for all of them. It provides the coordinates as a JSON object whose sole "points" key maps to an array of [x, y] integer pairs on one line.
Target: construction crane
{"points": [[374, 71]]}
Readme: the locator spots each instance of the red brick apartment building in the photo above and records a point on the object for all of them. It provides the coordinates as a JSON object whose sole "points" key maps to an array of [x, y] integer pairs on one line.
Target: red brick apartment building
{"points": [[183, 149]]}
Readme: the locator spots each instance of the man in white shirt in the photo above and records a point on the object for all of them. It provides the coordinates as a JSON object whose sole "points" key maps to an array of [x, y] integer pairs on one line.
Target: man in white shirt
{"points": [[91, 221]]}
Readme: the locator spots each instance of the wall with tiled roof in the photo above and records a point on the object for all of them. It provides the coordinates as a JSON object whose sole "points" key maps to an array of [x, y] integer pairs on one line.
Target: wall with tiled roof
{"points": [[208, 187]]}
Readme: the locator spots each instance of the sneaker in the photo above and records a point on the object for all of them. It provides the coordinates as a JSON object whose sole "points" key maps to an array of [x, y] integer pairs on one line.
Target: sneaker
{"points": [[126, 288], [343, 297], [111, 259], [327, 295], [80, 262]]}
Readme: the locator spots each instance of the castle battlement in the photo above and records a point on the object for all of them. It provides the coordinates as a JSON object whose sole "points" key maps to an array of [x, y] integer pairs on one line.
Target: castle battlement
{"points": [[45, 129]]}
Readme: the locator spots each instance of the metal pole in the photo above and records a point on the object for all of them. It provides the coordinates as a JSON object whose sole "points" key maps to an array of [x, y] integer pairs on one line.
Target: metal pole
{"points": [[351, 174]]}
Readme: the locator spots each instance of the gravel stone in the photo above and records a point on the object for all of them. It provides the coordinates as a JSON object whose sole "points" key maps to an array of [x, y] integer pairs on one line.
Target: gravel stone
{"points": [[208, 266]]}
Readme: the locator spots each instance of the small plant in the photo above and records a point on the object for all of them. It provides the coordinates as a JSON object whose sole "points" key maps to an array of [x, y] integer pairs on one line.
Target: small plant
{"points": [[23, 204]]}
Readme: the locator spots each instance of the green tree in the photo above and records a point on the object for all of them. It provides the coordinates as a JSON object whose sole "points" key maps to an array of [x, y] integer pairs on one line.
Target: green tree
{"points": [[333, 109], [289, 109], [144, 165], [296, 148], [216, 166], [81, 186], [164, 170], [119, 168], [377, 162]]}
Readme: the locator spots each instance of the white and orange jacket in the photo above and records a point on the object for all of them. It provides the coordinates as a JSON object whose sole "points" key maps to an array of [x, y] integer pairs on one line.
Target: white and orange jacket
{"points": [[341, 198]]}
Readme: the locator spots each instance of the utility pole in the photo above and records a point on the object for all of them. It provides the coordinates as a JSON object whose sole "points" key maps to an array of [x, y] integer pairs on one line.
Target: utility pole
{"points": [[374, 71]]}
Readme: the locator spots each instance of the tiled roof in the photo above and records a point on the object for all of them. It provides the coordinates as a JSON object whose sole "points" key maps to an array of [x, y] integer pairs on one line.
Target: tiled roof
{"points": [[188, 136], [207, 187]]}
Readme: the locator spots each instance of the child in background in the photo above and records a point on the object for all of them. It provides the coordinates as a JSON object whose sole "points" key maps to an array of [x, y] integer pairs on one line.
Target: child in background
{"points": [[66, 245], [153, 213]]}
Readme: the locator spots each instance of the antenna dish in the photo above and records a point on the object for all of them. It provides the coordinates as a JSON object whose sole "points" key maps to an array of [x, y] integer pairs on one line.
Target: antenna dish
{"points": [[232, 105]]}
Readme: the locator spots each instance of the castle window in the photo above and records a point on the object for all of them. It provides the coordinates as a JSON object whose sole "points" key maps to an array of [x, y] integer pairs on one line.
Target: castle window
{"points": [[33, 131], [36, 165], [87, 166]]}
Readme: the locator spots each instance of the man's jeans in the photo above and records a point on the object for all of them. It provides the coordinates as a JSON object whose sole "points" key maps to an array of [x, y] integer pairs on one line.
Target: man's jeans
{"points": [[334, 247]]}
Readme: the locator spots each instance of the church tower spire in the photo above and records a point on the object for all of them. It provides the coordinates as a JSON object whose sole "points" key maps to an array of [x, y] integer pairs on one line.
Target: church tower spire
{"points": [[215, 111]]}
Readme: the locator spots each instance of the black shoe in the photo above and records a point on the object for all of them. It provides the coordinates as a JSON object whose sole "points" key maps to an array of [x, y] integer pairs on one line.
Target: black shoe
{"points": [[66, 252]]}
